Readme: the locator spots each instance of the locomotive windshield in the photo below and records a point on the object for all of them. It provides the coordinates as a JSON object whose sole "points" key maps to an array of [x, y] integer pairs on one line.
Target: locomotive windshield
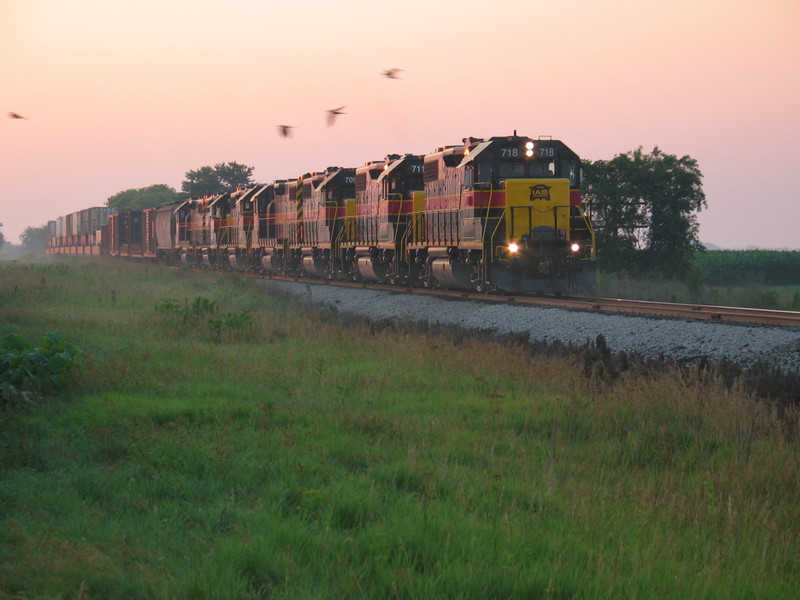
{"points": [[519, 170], [486, 171]]}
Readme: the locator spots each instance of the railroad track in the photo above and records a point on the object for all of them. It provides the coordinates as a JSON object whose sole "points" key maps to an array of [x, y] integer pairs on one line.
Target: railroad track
{"points": [[695, 312]]}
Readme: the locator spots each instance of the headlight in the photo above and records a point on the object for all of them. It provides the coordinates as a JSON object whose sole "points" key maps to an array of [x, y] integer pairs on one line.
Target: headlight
{"points": [[529, 149], [575, 247], [513, 248]]}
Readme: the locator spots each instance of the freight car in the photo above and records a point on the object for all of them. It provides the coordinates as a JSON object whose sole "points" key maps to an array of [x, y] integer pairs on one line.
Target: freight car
{"points": [[503, 213], [79, 233]]}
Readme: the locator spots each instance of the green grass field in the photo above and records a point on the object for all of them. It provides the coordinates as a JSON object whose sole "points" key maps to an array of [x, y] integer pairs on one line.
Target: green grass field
{"points": [[751, 295], [278, 453]]}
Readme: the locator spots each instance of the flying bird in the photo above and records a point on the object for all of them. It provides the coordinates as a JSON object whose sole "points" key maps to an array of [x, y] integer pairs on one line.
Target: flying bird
{"points": [[13, 115], [285, 130], [333, 113], [392, 73]]}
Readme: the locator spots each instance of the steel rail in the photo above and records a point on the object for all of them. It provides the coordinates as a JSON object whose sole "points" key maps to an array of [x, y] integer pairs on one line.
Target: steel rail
{"points": [[694, 312]]}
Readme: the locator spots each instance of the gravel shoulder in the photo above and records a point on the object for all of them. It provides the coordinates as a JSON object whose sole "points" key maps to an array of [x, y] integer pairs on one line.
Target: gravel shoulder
{"points": [[685, 341]]}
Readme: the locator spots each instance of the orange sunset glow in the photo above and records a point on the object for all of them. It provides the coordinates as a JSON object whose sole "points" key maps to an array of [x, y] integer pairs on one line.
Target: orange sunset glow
{"points": [[120, 95]]}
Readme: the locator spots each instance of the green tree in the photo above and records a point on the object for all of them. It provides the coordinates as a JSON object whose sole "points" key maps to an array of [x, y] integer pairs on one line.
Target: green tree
{"points": [[233, 175], [139, 198], [34, 239], [616, 218], [221, 178], [644, 207], [201, 182], [2, 237]]}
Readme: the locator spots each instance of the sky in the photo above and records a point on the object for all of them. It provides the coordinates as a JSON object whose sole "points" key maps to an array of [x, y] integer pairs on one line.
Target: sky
{"points": [[127, 94]]}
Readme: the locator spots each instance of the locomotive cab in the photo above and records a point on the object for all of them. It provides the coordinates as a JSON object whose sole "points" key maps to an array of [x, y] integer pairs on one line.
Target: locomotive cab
{"points": [[536, 235]]}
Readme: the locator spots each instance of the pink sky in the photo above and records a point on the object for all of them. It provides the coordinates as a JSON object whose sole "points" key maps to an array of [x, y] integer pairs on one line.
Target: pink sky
{"points": [[128, 94]]}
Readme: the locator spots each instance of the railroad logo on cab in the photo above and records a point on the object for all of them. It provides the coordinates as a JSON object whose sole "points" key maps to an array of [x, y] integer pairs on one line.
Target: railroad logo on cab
{"points": [[540, 192]]}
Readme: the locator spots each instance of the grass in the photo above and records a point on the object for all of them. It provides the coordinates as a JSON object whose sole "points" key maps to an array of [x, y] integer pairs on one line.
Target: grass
{"points": [[301, 457], [747, 294], [776, 297]]}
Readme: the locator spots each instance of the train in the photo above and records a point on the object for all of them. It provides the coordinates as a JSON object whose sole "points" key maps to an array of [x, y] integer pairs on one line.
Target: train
{"points": [[491, 214]]}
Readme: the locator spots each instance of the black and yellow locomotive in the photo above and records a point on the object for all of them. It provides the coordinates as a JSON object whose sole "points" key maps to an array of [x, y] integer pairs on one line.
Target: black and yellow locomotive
{"points": [[504, 213]]}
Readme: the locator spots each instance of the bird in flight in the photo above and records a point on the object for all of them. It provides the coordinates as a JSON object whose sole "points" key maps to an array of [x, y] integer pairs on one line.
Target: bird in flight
{"points": [[333, 113], [285, 130], [392, 73], [13, 115]]}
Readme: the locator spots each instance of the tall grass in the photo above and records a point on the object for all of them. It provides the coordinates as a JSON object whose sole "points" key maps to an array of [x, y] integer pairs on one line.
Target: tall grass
{"points": [[733, 267], [299, 458], [747, 293]]}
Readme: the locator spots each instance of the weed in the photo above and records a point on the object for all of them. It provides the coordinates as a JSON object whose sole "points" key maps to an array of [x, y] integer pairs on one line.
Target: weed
{"points": [[185, 317], [234, 323], [26, 370]]}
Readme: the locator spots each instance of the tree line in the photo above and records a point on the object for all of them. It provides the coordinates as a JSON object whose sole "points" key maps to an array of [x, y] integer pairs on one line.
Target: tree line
{"points": [[205, 181]]}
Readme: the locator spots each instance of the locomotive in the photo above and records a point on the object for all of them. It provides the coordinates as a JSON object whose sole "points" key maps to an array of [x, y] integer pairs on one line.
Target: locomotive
{"points": [[501, 213]]}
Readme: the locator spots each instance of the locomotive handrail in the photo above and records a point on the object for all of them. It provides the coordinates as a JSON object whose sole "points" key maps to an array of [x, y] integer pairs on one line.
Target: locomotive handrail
{"points": [[590, 229], [335, 239], [350, 225], [412, 223], [530, 210], [555, 218], [492, 247], [266, 219], [377, 217], [486, 223]]}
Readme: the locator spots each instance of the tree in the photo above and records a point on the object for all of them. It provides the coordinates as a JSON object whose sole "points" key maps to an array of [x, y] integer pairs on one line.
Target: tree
{"points": [[2, 237], [616, 219], [201, 182], [221, 178], [35, 239], [232, 175], [139, 198], [644, 208]]}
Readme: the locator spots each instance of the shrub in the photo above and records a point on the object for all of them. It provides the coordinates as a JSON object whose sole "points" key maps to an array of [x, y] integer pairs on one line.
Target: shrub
{"points": [[27, 370], [233, 322], [187, 316]]}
